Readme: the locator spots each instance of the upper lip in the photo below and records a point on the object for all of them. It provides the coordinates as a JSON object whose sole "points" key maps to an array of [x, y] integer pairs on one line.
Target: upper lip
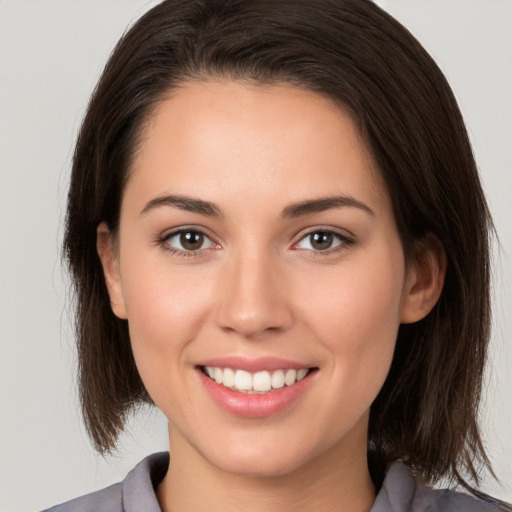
{"points": [[253, 364]]}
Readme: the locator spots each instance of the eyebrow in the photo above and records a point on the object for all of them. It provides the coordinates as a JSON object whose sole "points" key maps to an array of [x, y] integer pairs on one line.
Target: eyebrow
{"points": [[189, 204], [195, 205], [323, 204]]}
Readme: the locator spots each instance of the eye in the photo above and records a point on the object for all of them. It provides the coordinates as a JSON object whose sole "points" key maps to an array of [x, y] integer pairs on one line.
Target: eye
{"points": [[322, 240], [188, 240]]}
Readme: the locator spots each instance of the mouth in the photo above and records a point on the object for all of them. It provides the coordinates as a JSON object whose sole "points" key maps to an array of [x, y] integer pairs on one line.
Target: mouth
{"points": [[260, 382], [255, 387]]}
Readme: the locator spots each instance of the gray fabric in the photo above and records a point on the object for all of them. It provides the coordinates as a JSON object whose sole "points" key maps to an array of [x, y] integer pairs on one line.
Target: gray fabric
{"points": [[107, 500], [399, 493], [134, 494]]}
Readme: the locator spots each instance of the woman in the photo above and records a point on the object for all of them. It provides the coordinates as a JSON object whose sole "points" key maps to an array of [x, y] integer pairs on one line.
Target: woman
{"points": [[278, 236]]}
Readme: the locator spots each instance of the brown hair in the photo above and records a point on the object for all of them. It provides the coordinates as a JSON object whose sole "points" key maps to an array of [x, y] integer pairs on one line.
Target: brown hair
{"points": [[354, 53]]}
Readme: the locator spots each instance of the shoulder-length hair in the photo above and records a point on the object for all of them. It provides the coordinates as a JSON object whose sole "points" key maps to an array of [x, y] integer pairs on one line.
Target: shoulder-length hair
{"points": [[354, 53]]}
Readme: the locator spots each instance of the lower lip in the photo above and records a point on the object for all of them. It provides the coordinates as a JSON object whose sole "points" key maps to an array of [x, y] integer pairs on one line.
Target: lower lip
{"points": [[254, 405]]}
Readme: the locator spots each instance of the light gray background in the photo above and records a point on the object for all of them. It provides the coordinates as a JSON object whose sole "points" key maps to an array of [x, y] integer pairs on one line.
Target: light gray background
{"points": [[51, 53]]}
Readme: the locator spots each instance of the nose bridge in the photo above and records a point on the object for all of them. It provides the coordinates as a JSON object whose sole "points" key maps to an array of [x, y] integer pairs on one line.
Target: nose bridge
{"points": [[252, 296]]}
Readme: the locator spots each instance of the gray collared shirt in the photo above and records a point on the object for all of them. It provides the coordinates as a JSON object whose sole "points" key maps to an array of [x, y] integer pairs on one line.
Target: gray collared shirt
{"points": [[399, 493]]}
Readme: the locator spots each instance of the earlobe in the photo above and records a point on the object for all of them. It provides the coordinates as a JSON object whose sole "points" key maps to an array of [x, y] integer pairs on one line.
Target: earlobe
{"points": [[105, 246], [424, 282]]}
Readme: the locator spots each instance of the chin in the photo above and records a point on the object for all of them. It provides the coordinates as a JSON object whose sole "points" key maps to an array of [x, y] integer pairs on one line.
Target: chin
{"points": [[260, 460], [260, 466]]}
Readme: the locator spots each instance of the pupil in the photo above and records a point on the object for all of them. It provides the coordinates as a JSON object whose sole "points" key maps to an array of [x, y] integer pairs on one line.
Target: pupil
{"points": [[191, 240], [321, 240]]}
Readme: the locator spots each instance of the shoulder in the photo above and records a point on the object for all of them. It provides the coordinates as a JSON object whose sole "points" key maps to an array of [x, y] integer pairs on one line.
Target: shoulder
{"points": [[450, 500], [105, 500], [400, 492], [135, 493]]}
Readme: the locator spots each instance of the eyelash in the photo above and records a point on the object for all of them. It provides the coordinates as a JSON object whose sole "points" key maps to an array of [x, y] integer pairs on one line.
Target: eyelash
{"points": [[344, 242], [164, 242]]}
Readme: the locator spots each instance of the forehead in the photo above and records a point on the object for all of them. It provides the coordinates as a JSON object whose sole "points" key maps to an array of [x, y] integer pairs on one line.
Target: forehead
{"points": [[238, 137]]}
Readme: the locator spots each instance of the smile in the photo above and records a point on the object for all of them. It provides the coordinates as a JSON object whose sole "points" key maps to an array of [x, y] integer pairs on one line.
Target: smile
{"points": [[257, 382]]}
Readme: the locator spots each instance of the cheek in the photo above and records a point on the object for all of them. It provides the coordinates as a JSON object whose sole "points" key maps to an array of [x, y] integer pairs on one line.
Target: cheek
{"points": [[165, 311], [356, 318]]}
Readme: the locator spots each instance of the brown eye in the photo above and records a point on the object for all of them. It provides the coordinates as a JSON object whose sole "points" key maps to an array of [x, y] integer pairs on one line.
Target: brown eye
{"points": [[191, 240], [321, 240], [188, 240]]}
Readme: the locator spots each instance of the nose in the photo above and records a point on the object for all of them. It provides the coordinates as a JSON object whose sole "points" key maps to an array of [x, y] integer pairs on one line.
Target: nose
{"points": [[252, 298]]}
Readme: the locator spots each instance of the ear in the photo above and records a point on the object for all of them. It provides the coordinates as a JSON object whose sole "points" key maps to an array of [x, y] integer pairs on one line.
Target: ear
{"points": [[105, 245], [424, 280]]}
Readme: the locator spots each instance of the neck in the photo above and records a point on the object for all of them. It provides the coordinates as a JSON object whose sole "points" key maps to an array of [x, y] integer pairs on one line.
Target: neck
{"points": [[337, 480]]}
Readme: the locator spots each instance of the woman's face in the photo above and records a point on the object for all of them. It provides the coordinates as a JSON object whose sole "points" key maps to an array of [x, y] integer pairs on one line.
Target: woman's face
{"points": [[257, 244]]}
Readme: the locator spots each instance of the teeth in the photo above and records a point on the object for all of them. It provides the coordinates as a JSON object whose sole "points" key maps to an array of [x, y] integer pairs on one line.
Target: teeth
{"points": [[290, 377], [278, 379], [229, 378], [243, 380], [301, 373], [218, 375], [262, 381], [259, 382]]}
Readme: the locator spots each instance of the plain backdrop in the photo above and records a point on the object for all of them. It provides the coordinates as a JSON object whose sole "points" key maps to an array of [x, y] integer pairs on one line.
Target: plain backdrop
{"points": [[51, 54]]}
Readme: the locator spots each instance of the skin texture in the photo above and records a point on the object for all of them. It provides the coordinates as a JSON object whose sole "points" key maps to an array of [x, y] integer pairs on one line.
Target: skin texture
{"points": [[258, 288]]}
